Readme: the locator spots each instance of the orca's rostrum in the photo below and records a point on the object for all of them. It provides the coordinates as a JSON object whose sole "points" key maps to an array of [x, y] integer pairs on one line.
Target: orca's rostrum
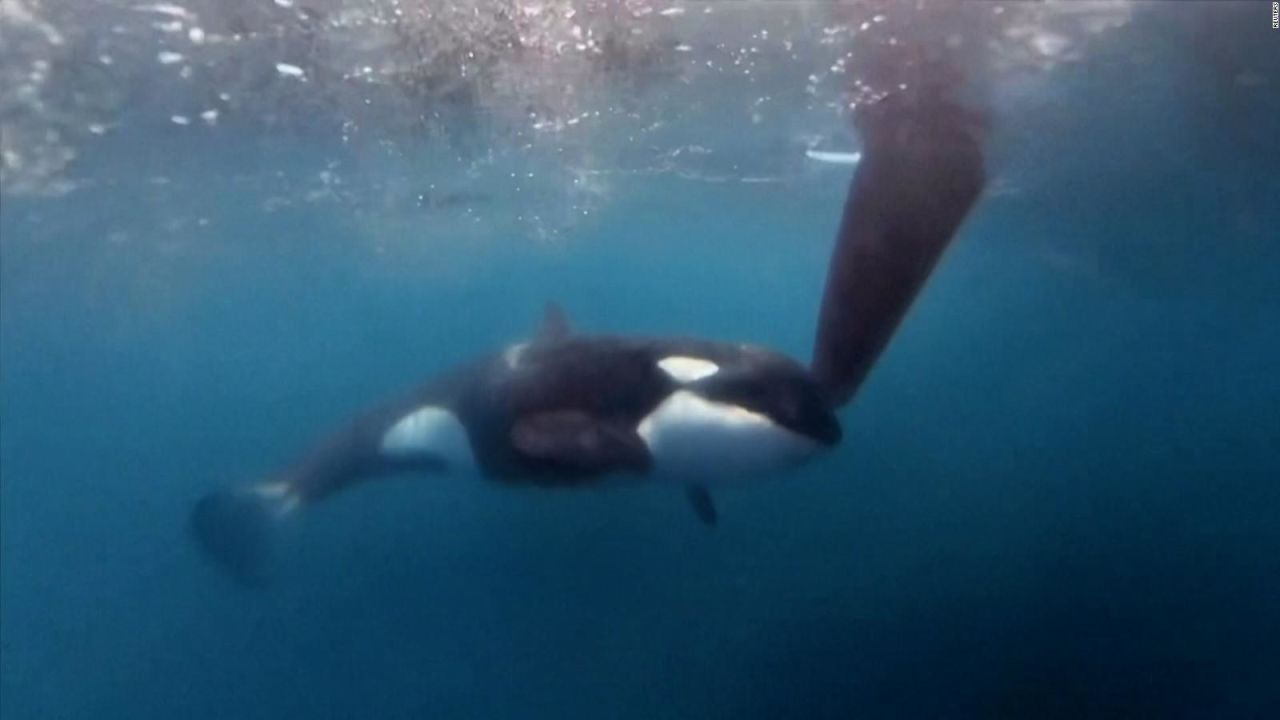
{"points": [[571, 409]]}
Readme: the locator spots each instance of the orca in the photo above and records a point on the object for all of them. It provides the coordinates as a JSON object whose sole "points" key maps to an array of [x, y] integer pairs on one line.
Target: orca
{"points": [[575, 410]]}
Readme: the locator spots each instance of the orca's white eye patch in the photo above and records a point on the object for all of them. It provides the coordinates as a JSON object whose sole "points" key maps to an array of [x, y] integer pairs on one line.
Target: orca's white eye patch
{"points": [[685, 369], [430, 430]]}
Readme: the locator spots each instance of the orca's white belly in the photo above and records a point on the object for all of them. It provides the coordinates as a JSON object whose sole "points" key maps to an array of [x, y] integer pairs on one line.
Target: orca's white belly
{"points": [[694, 439]]}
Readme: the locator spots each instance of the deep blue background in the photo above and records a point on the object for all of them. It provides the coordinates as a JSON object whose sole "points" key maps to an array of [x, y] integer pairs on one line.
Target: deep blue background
{"points": [[1058, 495]]}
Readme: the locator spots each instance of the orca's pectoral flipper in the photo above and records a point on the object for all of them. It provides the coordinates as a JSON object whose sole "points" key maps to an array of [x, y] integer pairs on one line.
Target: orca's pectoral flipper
{"points": [[236, 527], [702, 504], [922, 170]]}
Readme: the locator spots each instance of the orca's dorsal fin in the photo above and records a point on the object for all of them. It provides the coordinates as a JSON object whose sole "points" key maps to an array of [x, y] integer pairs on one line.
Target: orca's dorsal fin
{"points": [[555, 326]]}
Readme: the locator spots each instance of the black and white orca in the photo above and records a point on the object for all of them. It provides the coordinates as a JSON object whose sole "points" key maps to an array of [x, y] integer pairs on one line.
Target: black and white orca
{"points": [[568, 409]]}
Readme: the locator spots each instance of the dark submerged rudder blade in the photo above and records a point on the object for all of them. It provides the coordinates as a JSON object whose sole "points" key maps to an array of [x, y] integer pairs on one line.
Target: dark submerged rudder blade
{"points": [[922, 170]]}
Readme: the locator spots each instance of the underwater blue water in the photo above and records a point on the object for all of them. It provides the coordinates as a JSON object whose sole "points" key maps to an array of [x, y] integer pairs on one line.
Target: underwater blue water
{"points": [[1058, 495]]}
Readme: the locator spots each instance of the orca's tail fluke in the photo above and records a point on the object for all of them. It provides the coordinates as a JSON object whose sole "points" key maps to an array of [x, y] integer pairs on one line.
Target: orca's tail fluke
{"points": [[922, 170], [235, 528]]}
